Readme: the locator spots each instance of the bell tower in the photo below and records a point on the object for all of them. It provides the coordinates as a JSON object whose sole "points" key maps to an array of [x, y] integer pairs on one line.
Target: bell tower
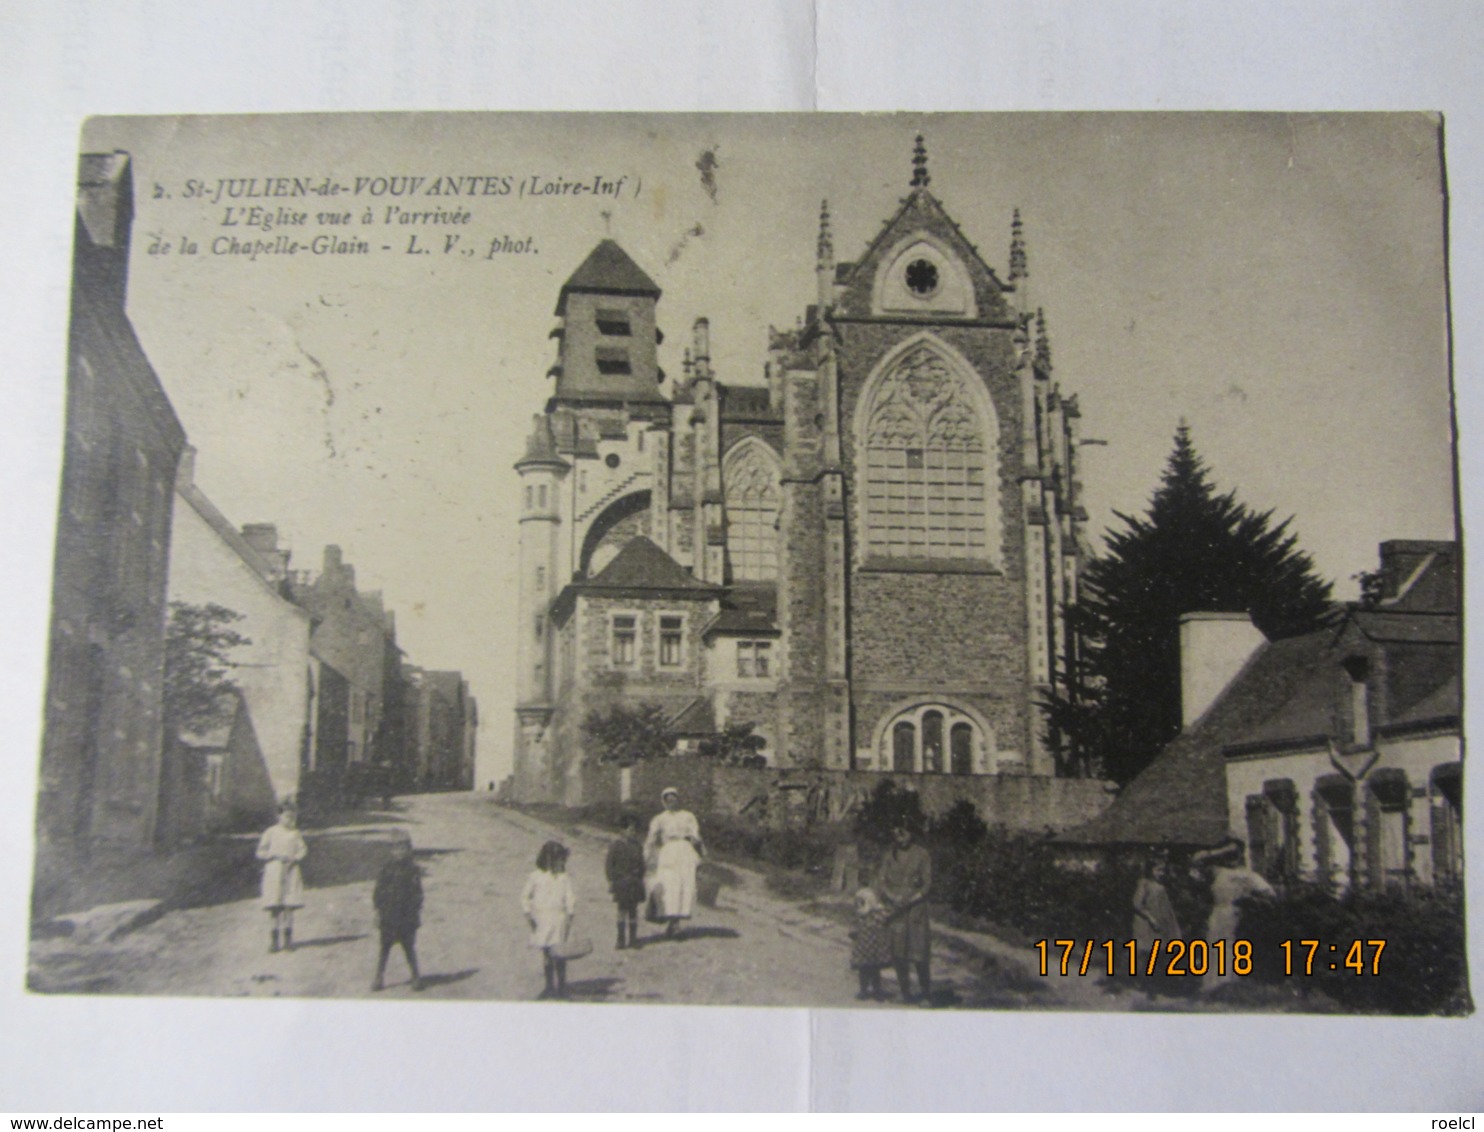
{"points": [[608, 335]]}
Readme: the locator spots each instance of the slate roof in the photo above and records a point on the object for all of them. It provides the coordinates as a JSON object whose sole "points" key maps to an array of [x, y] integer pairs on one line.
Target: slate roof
{"points": [[640, 570], [1444, 703], [747, 403], [641, 565], [541, 447], [696, 718], [1285, 697], [748, 609], [924, 202], [1415, 628], [607, 270], [1180, 799]]}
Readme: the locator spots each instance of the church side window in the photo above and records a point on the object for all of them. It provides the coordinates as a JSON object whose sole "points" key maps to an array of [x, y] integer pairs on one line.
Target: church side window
{"points": [[932, 742], [751, 477], [625, 633], [926, 464]]}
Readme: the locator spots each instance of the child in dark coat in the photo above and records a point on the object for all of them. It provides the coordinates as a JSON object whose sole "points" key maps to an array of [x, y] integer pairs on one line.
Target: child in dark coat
{"points": [[399, 901], [625, 870]]}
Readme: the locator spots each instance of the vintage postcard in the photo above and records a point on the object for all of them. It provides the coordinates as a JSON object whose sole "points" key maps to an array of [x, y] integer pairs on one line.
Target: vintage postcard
{"points": [[938, 561]]}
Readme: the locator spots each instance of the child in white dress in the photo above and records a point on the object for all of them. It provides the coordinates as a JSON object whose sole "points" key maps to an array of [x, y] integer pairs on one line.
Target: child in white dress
{"points": [[282, 849], [549, 905]]}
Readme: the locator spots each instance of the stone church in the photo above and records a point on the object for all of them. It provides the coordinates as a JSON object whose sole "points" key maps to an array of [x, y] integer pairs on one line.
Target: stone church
{"points": [[866, 559]]}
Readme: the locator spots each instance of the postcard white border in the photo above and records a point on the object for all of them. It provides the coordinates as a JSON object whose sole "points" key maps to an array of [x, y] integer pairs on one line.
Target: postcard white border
{"points": [[63, 61]]}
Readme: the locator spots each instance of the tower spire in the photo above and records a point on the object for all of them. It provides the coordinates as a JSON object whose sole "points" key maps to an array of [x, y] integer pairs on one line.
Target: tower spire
{"points": [[1019, 265], [824, 268], [920, 178]]}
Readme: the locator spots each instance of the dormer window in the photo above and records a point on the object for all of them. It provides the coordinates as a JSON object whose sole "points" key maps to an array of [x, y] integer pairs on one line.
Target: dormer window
{"points": [[613, 323]]}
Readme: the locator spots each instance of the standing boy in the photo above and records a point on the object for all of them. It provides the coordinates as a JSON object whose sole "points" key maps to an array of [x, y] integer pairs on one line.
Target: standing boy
{"points": [[625, 870], [399, 902]]}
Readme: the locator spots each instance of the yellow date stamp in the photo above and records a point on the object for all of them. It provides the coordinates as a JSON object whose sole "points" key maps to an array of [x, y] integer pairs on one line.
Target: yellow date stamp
{"points": [[1175, 957]]}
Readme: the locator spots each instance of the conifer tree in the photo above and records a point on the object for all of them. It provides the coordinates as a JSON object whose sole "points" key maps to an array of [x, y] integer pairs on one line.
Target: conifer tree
{"points": [[1195, 551]]}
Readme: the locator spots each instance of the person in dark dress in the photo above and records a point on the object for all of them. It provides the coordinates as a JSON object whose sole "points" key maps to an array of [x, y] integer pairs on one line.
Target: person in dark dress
{"points": [[625, 871], [398, 898], [903, 881]]}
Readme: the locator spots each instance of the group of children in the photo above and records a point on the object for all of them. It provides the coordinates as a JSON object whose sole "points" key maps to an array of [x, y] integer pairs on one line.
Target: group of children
{"points": [[397, 897], [547, 900]]}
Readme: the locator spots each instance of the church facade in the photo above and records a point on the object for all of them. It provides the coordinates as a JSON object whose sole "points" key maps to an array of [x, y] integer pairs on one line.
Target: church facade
{"points": [[866, 559]]}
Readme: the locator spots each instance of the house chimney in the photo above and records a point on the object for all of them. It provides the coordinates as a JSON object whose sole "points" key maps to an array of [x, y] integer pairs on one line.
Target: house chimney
{"points": [[1213, 649], [262, 537], [105, 216], [185, 470], [1406, 562]]}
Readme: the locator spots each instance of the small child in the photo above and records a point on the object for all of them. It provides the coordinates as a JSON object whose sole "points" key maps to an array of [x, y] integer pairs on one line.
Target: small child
{"points": [[871, 944], [549, 905], [625, 869], [282, 850], [399, 902]]}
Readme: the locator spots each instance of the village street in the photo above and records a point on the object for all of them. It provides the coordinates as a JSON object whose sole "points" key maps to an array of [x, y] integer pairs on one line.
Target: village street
{"points": [[752, 948]]}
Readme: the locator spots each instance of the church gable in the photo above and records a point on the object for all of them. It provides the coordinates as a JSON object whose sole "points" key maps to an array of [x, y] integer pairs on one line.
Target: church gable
{"points": [[921, 266]]}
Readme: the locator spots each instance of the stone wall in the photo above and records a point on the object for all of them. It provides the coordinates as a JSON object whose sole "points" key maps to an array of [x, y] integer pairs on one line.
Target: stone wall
{"points": [[693, 777], [1020, 802]]}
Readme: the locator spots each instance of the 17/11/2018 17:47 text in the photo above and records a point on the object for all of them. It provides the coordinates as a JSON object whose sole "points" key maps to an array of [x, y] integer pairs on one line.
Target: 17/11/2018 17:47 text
{"points": [[1199, 957]]}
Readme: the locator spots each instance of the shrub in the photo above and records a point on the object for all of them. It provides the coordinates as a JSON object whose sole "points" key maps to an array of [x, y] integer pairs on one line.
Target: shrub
{"points": [[627, 732], [952, 838], [888, 807], [808, 851], [1016, 880], [1423, 967]]}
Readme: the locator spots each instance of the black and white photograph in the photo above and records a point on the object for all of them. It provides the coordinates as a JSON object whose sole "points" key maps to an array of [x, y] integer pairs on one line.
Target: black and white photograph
{"points": [[931, 562]]}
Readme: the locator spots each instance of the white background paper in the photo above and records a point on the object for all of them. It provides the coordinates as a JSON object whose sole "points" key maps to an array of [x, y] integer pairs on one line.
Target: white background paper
{"points": [[63, 61]]}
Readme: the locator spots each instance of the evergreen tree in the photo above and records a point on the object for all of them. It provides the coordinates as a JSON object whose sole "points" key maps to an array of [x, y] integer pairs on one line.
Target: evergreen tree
{"points": [[1195, 551], [199, 642]]}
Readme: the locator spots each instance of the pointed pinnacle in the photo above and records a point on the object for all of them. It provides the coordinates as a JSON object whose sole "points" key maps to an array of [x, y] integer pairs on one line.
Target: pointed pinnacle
{"points": [[826, 246], [920, 178], [1019, 264], [1043, 341]]}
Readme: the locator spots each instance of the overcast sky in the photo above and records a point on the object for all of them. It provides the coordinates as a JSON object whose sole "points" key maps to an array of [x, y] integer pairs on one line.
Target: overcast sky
{"points": [[1277, 281]]}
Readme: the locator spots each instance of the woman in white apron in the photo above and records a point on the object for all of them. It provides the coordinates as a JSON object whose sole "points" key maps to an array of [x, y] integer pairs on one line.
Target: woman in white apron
{"points": [[672, 852]]}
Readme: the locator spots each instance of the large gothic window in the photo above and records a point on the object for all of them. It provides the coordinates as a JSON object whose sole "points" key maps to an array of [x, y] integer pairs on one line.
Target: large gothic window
{"points": [[927, 456], [751, 484]]}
